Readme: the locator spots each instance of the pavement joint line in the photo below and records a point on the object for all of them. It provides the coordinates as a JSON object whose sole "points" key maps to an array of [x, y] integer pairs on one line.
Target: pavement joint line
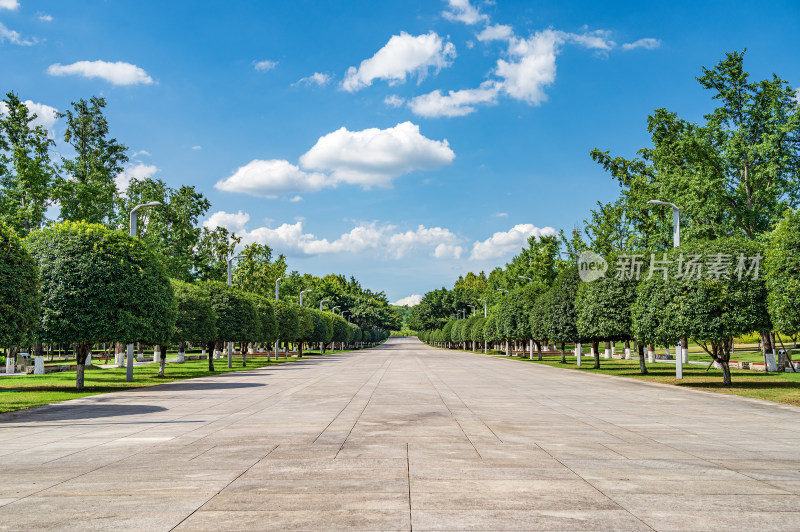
{"points": [[333, 420], [384, 368], [408, 478], [467, 407], [453, 416], [223, 488]]}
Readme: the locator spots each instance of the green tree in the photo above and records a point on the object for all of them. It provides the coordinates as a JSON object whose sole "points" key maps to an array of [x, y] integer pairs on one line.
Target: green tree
{"points": [[196, 320], [26, 172], [87, 190], [562, 323], [256, 271], [782, 274], [171, 230], [214, 248], [236, 316], [288, 322], [20, 291], [99, 285]]}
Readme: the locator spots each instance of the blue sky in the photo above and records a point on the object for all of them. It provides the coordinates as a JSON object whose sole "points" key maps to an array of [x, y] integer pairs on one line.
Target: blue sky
{"points": [[329, 131]]}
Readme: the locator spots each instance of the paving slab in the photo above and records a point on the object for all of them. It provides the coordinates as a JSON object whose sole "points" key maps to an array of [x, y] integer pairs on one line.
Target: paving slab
{"points": [[398, 437]]}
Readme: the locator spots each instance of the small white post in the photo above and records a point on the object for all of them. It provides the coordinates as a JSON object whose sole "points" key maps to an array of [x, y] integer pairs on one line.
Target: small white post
{"points": [[578, 352], [38, 367], [678, 360]]}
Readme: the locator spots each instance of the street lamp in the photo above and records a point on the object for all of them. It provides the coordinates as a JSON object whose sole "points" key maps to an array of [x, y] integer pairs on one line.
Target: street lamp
{"points": [[301, 296], [523, 277], [676, 220], [676, 242], [334, 309], [133, 231], [348, 315], [473, 309], [230, 262], [277, 284], [321, 302], [502, 290]]}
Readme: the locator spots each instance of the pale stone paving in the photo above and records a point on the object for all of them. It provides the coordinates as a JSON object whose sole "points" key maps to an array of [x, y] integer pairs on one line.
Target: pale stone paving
{"points": [[399, 437]]}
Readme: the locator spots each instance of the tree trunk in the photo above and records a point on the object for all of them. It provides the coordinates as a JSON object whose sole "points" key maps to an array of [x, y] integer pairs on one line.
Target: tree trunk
{"points": [[211, 346], [82, 351], [726, 373], [642, 365], [539, 350], [299, 349], [163, 360], [596, 349], [243, 347], [563, 354]]}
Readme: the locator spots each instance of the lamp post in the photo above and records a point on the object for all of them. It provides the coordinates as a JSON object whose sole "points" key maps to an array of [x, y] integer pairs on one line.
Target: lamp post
{"points": [[301, 296], [230, 262], [506, 292], [485, 343], [321, 302], [230, 282], [484, 307], [133, 231], [473, 309], [334, 309], [523, 277], [676, 242], [277, 285]]}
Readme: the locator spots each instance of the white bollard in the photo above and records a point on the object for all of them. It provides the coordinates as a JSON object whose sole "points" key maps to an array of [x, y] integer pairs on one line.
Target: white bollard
{"points": [[772, 365], [9, 364], [88, 360], [38, 365], [607, 353], [120, 359], [651, 356], [203, 352], [627, 353], [181, 356], [678, 361], [578, 353]]}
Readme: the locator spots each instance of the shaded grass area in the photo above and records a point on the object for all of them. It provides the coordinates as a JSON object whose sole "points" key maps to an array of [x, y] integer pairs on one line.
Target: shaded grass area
{"points": [[26, 391]]}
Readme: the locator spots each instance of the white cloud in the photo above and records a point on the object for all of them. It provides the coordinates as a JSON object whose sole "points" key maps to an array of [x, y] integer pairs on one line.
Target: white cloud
{"points": [[410, 301], [45, 17], [45, 115], [498, 32], [647, 44], [463, 11], [455, 103], [295, 199], [394, 100], [403, 55], [373, 157], [597, 40], [263, 66], [197, 148], [448, 251], [317, 78], [118, 73], [9, 4], [269, 179], [138, 171], [14, 37], [141, 152], [501, 214], [505, 242], [290, 239]]}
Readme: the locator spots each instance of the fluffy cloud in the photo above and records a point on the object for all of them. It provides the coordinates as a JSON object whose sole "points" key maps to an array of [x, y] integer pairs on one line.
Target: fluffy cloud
{"points": [[403, 55], [410, 301], [448, 251], [138, 171], [45, 17], [295, 199], [269, 179], [14, 37], [394, 100], [498, 32], [505, 242], [373, 157], [317, 78], [455, 103], [45, 115], [291, 239], [9, 4], [463, 11], [118, 73], [647, 44], [263, 66]]}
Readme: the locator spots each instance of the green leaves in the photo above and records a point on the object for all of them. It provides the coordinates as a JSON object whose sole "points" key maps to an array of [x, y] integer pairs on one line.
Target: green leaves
{"points": [[19, 290]]}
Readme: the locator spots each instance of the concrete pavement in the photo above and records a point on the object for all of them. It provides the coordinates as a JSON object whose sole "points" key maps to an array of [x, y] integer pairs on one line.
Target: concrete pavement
{"points": [[398, 437]]}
